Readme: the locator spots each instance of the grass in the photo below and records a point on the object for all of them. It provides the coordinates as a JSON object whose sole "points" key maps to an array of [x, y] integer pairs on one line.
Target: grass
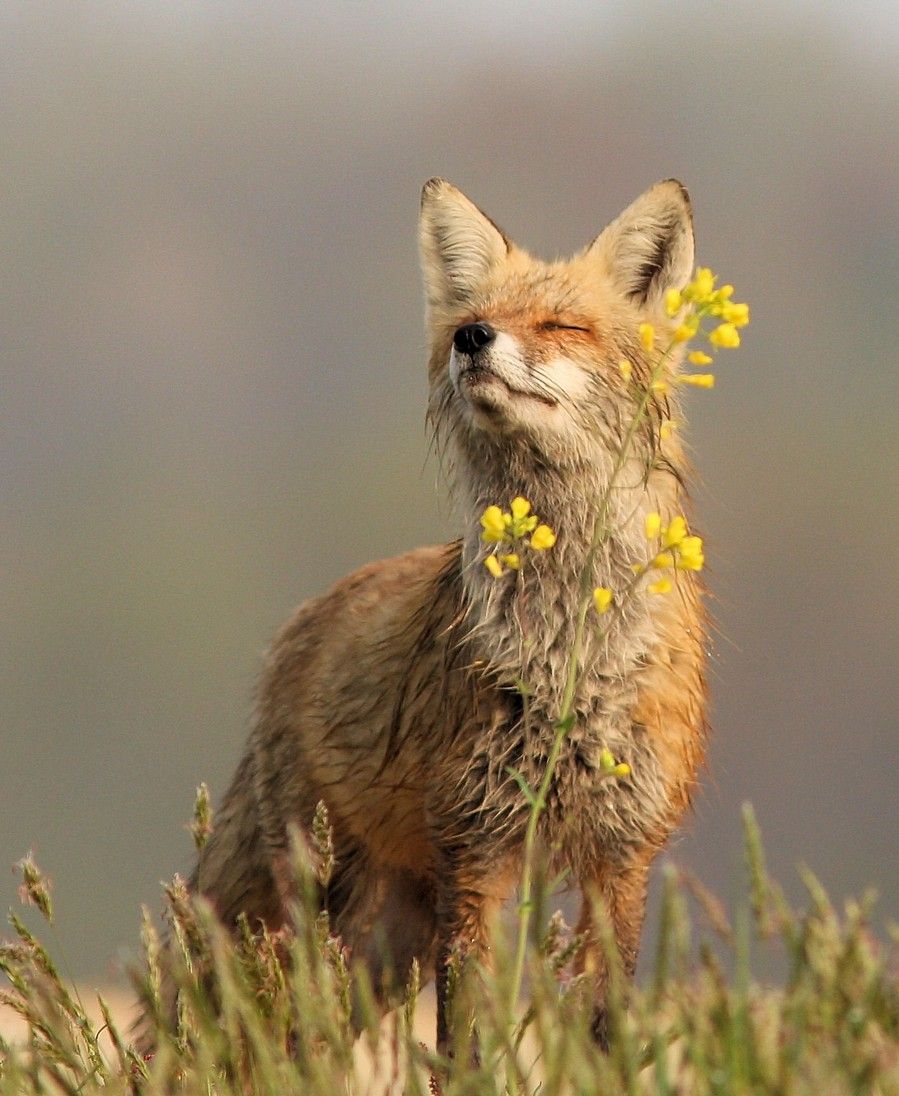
{"points": [[275, 1014]]}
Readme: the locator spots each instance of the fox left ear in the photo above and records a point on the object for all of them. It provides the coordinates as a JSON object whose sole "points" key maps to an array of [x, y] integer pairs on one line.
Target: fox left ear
{"points": [[648, 249], [459, 244]]}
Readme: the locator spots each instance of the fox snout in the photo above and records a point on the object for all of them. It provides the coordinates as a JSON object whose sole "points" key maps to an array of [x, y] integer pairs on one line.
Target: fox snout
{"points": [[472, 337]]}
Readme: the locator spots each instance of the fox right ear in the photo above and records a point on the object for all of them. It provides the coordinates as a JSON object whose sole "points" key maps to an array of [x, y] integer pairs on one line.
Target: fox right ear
{"points": [[459, 244], [648, 249]]}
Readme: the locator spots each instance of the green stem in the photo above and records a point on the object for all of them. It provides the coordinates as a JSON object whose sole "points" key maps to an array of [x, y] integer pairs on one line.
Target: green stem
{"points": [[566, 713]]}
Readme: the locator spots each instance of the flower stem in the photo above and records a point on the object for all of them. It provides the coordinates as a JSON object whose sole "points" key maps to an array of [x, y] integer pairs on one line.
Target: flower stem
{"points": [[566, 713]]}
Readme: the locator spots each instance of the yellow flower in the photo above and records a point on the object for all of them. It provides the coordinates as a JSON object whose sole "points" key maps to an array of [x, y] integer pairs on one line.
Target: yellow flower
{"points": [[521, 521], [659, 387], [698, 380], [602, 599], [661, 586], [512, 560], [622, 769], [652, 525], [698, 358], [737, 314], [673, 301], [689, 554], [724, 293], [703, 285], [675, 533], [662, 560], [494, 566], [725, 335], [625, 368], [684, 332], [494, 525], [667, 428], [606, 760], [647, 336], [543, 537]]}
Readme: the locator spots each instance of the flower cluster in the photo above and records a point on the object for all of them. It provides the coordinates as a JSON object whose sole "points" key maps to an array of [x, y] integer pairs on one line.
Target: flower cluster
{"points": [[696, 302], [513, 530], [675, 550]]}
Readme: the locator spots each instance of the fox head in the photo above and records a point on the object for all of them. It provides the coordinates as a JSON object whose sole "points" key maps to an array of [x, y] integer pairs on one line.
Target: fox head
{"points": [[525, 354]]}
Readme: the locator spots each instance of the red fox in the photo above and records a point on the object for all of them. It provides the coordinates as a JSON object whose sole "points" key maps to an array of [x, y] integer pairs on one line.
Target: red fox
{"points": [[395, 697]]}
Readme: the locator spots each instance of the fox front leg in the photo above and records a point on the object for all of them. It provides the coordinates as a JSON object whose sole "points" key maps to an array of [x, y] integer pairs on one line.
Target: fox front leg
{"points": [[616, 892], [467, 907], [462, 940]]}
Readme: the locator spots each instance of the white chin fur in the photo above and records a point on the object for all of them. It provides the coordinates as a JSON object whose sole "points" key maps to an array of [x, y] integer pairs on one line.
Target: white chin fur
{"points": [[521, 397]]}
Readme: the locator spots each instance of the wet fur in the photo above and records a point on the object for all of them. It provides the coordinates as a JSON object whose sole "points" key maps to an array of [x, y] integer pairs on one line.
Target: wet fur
{"points": [[393, 697]]}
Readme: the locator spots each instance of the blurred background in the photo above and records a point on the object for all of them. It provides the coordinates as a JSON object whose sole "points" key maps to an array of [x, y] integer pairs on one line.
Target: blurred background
{"points": [[213, 381]]}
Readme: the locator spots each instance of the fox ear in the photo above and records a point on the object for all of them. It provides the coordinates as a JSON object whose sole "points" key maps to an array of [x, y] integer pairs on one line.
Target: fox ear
{"points": [[459, 243], [649, 247]]}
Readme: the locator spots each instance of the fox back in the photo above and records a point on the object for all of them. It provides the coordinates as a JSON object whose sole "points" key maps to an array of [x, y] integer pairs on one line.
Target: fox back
{"points": [[408, 696]]}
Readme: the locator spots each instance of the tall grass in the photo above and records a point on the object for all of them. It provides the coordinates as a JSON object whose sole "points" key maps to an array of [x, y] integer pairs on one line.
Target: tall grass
{"points": [[285, 1013]]}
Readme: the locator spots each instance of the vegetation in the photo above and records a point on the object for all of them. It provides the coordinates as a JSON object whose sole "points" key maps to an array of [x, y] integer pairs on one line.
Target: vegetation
{"points": [[279, 1014]]}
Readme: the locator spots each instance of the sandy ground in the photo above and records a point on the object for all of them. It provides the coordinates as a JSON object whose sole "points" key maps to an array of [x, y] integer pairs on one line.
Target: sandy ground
{"points": [[119, 999]]}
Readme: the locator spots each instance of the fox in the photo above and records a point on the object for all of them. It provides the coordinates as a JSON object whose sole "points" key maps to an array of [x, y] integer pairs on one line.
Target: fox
{"points": [[396, 697]]}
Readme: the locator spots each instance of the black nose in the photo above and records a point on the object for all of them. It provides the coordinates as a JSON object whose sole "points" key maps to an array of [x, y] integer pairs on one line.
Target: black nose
{"points": [[472, 337]]}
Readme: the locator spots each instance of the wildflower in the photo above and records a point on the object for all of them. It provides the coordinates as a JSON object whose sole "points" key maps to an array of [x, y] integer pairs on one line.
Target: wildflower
{"points": [[647, 336], [660, 586], [737, 314], [698, 380], [606, 760], [543, 538], [659, 387], [698, 358], [684, 332], [690, 555], [675, 532], [610, 766], [602, 599], [625, 368], [725, 335], [494, 566], [702, 287], [510, 529], [667, 428], [661, 561], [673, 301], [493, 524], [521, 521], [652, 525]]}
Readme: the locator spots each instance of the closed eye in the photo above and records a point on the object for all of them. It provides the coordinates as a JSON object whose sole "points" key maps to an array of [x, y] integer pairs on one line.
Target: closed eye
{"points": [[552, 325]]}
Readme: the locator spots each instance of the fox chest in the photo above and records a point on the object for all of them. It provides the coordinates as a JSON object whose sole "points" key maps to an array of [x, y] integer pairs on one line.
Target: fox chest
{"points": [[590, 813]]}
